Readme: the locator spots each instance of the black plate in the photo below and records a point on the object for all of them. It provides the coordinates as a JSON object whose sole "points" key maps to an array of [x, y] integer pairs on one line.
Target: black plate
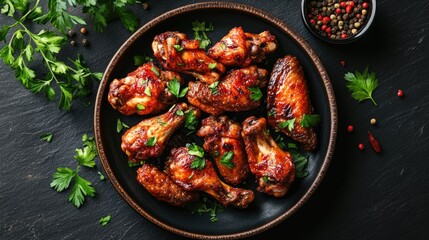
{"points": [[265, 212]]}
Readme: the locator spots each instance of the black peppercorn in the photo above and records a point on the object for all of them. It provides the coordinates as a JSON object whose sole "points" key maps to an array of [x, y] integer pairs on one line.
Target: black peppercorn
{"points": [[71, 33], [85, 42], [83, 31]]}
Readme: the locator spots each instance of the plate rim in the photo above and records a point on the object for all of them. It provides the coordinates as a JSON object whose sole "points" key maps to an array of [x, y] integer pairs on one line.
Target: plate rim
{"points": [[265, 17]]}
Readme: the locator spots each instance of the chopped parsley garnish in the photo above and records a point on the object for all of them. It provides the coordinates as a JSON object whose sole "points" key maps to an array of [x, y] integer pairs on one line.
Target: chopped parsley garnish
{"points": [[105, 220], [131, 164], [162, 123], [120, 125], [206, 206], [361, 85], [101, 176], [151, 142], [174, 88], [288, 123], [271, 113], [200, 33], [191, 120], [155, 70], [199, 162], [310, 120], [178, 47], [63, 176], [226, 159], [47, 137], [213, 88], [223, 46], [140, 107], [147, 91], [212, 65], [256, 93], [300, 162], [180, 112]]}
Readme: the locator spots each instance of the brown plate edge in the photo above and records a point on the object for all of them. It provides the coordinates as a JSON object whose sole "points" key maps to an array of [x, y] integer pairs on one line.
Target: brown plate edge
{"points": [[266, 17]]}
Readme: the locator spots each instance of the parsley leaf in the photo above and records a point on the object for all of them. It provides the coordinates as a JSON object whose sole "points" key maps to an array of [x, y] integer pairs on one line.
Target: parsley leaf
{"points": [[178, 47], [101, 176], [288, 123], [311, 120], [213, 88], [81, 188], [256, 93], [63, 176], [200, 33], [151, 142], [361, 85], [120, 125], [300, 162], [105, 220], [174, 88], [47, 137], [191, 120], [199, 162], [226, 159]]}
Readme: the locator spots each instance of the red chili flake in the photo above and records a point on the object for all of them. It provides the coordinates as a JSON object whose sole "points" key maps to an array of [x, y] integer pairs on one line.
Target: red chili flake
{"points": [[361, 146], [350, 128], [374, 143], [343, 63], [400, 93]]}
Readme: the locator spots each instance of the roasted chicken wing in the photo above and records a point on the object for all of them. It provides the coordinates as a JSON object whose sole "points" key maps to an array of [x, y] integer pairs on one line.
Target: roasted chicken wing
{"points": [[149, 137], [143, 91], [181, 168], [237, 91], [177, 53], [160, 185], [272, 167], [242, 49], [288, 100], [222, 139]]}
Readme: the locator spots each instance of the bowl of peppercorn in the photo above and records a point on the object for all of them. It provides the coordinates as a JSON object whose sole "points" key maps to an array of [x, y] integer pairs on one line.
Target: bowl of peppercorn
{"points": [[338, 21]]}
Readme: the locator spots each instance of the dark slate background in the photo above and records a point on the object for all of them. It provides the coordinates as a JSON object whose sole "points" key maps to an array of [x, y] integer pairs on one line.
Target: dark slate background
{"points": [[363, 196]]}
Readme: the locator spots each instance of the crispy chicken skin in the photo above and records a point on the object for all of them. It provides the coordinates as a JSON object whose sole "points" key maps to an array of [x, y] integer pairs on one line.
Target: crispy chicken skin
{"points": [[221, 137], [242, 49], [135, 140], [177, 53], [142, 87], [272, 167], [178, 167], [232, 94], [160, 185], [288, 98]]}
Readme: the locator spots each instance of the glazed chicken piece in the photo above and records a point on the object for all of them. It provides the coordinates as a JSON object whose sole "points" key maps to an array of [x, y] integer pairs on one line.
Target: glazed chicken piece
{"points": [[177, 53], [144, 91], [222, 139], [288, 99], [242, 49], [149, 138], [234, 93], [272, 167], [181, 169], [160, 185]]}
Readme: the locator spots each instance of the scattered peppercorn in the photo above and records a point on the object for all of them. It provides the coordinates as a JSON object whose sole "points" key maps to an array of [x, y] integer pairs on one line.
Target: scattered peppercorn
{"points": [[83, 31], [71, 33], [400, 93], [145, 5], [85, 42], [343, 63], [73, 43], [338, 19], [373, 121], [361, 146], [350, 128]]}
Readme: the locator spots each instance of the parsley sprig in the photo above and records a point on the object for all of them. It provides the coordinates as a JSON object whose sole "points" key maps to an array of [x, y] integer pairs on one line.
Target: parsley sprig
{"points": [[82, 187], [199, 162], [361, 85], [200, 33], [24, 47]]}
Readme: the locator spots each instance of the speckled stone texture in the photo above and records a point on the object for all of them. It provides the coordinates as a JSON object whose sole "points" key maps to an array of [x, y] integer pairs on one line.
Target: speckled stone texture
{"points": [[363, 195]]}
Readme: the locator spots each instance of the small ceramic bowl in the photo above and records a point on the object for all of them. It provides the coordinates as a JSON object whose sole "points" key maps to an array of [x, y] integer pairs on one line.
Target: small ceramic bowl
{"points": [[330, 21]]}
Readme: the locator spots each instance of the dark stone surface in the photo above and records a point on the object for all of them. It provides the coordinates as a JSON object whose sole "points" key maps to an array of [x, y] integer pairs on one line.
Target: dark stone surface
{"points": [[363, 196]]}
